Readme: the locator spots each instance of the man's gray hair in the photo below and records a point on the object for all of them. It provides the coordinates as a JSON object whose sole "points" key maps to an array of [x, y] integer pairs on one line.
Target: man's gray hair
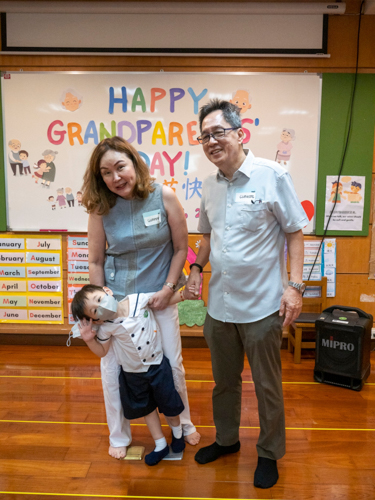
{"points": [[231, 112]]}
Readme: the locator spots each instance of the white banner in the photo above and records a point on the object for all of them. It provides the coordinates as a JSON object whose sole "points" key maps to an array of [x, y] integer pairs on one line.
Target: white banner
{"points": [[52, 122]]}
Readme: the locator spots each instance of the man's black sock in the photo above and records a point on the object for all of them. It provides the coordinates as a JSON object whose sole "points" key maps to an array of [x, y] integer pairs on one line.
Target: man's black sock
{"points": [[266, 474], [214, 451]]}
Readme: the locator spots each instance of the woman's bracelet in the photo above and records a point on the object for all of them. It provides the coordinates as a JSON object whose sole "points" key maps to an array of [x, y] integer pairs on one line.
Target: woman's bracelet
{"points": [[197, 265]]}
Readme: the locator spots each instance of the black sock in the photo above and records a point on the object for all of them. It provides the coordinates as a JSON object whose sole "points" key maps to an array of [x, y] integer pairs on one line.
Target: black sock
{"points": [[214, 451], [266, 474]]}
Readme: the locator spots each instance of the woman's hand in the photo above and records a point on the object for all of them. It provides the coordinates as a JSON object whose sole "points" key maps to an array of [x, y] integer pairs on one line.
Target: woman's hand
{"points": [[87, 332], [160, 300]]}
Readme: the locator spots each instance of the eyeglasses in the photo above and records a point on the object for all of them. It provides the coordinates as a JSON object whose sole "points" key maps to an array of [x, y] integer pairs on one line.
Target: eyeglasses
{"points": [[219, 134]]}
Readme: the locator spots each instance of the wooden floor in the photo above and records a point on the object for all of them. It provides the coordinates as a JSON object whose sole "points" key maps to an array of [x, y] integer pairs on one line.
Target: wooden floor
{"points": [[54, 440]]}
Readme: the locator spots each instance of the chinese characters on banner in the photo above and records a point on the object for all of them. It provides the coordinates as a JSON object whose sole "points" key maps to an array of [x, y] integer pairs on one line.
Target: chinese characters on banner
{"points": [[31, 279], [78, 267]]}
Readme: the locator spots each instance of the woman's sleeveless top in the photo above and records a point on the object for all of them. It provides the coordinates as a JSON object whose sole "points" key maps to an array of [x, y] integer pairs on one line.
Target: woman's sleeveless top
{"points": [[140, 247]]}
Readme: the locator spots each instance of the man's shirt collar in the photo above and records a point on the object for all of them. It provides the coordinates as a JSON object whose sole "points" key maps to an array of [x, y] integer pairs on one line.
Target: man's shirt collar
{"points": [[245, 168]]}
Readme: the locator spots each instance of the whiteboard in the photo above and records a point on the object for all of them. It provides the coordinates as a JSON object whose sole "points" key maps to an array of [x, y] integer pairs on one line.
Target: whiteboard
{"points": [[158, 114]]}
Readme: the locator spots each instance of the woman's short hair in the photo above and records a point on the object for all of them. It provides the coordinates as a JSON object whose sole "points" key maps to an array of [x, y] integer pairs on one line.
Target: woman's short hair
{"points": [[96, 195]]}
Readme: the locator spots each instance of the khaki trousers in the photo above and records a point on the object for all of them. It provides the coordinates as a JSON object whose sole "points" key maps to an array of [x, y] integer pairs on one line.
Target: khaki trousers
{"points": [[261, 341]]}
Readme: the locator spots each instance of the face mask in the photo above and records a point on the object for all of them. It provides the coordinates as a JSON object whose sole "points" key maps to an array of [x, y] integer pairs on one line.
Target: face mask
{"points": [[107, 309], [75, 333]]}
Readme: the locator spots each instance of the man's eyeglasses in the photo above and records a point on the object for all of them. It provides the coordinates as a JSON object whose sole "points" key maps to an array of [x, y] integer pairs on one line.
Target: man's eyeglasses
{"points": [[217, 135]]}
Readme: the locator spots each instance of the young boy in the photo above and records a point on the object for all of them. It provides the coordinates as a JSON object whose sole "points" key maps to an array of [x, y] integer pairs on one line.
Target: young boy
{"points": [[146, 381], [25, 162]]}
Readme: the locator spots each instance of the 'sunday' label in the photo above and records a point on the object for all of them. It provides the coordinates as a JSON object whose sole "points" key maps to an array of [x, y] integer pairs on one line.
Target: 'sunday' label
{"points": [[74, 242]]}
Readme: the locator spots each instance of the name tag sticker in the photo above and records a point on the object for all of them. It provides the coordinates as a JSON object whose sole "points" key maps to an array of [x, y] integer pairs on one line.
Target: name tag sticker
{"points": [[245, 197], [152, 218]]}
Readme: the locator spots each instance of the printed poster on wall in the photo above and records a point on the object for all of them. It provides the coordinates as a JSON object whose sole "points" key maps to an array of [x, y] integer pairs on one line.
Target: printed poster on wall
{"points": [[349, 195], [52, 122], [31, 279], [324, 264]]}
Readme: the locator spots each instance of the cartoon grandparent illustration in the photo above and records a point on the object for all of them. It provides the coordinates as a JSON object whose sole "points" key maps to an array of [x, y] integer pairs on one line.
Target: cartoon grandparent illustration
{"points": [[49, 176], [241, 99], [69, 196], [61, 198], [71, 99], [14, 156], [284, 147]]}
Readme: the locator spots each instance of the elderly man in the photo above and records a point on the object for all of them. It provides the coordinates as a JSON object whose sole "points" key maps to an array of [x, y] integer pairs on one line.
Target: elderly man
{"points": [[248, 208], [14, 156]]}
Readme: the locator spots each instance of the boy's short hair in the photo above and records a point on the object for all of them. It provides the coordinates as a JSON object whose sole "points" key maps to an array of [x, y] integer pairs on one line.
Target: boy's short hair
{"points": [[79, 301], [23, 152]]}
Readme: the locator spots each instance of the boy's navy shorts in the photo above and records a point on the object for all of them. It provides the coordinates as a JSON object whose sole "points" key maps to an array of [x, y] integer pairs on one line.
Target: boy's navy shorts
{"points": [[142, 393]]}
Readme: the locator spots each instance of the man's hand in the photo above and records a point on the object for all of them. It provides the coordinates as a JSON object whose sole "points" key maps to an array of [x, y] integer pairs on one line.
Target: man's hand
{"points": [[291, 305], [87, 332], [193, 284]]}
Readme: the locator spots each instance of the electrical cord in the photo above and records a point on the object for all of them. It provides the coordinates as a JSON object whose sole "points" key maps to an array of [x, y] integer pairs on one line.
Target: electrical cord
{"points": [[346, 140]]}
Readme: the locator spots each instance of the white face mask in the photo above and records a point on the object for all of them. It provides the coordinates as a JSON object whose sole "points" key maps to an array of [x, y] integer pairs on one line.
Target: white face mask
{"points": [[107, 310], [75, 333]]}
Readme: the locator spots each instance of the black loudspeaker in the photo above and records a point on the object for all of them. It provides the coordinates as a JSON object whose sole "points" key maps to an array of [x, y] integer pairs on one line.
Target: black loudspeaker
{"points": [[343, 345]]}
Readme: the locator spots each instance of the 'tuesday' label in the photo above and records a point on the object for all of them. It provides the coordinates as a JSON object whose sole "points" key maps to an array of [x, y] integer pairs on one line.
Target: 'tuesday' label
{"points": [[152, 218]]}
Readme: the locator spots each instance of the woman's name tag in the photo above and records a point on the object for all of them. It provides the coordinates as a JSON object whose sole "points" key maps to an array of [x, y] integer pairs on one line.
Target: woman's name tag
{"points": [[152, 218]]}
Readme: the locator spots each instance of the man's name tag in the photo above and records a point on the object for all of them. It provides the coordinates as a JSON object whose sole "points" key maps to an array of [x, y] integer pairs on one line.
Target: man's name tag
{"points": [[243, 197], [152, 218]]}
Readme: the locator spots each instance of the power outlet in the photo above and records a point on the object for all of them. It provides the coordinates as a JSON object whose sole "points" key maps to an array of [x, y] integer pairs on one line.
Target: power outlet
{"points": [[372, 333]]}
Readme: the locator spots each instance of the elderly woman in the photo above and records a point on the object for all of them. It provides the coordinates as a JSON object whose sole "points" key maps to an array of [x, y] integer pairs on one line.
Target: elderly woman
{"points": [[49, 175], [137, 244]]}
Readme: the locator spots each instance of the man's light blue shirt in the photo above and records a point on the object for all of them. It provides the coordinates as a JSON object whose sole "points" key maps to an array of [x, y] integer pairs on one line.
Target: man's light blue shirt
{"points": [[247, 218]]}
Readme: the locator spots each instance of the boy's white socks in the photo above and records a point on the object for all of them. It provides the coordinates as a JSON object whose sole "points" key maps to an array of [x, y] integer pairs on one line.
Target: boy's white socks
{"points": [[177, 431], [160, 444]]}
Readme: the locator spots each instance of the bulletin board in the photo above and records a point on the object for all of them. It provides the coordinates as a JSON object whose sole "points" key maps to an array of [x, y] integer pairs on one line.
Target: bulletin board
{"points": [[336, 98], [60, 117]]}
